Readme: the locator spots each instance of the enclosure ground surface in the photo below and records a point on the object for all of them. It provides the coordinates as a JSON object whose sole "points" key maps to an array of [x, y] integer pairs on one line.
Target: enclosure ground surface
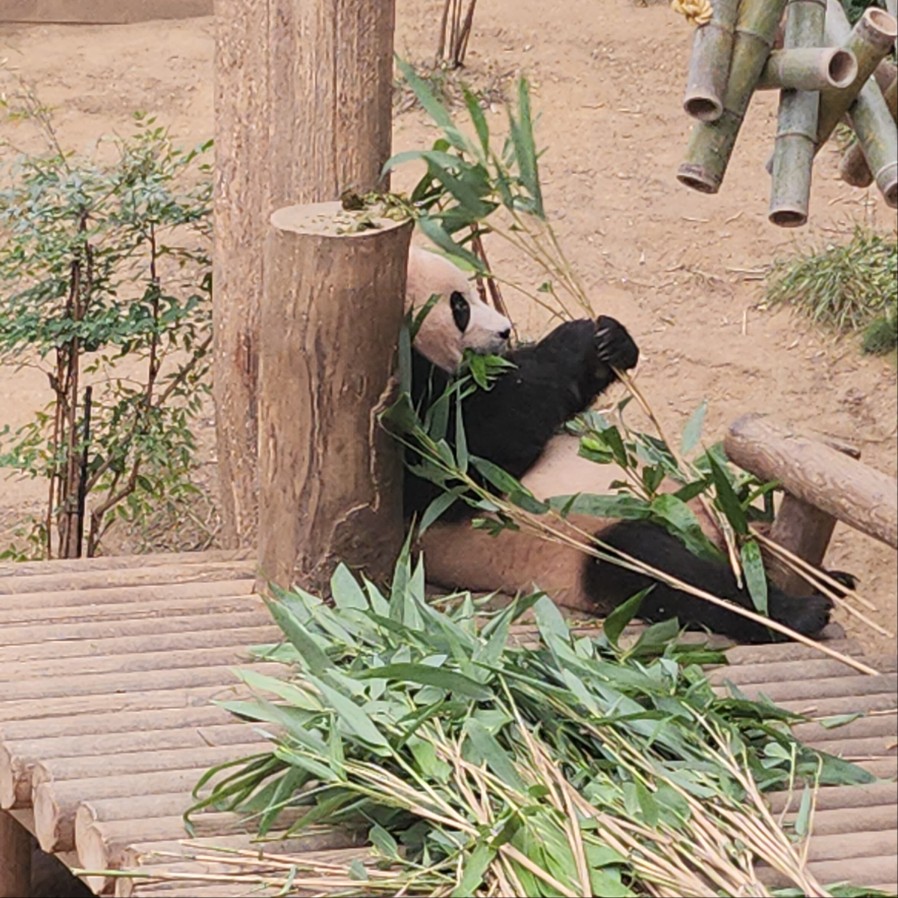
{"points": [[683, 271]]}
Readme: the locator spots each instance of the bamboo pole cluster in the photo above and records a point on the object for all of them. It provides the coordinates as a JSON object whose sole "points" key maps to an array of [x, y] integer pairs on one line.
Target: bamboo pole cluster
{"points": [[826, 72]]}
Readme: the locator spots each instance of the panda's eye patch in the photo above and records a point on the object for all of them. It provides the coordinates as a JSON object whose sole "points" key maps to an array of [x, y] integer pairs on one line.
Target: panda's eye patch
{"points": [[461, 311]]}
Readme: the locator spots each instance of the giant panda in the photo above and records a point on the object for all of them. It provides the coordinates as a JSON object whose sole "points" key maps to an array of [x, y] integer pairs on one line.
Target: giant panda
{"points": [[515, 424]]}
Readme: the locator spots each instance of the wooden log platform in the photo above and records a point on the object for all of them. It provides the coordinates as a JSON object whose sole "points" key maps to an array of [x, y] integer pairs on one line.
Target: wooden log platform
{"points": [[108, 672]]}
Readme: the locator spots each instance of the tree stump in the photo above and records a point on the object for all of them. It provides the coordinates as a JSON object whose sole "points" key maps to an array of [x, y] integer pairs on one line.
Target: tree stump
{"points": [[330, 476]]}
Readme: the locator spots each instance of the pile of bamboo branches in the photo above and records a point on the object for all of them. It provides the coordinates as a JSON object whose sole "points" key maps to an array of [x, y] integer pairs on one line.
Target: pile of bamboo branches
{"points": [[825, 72]]}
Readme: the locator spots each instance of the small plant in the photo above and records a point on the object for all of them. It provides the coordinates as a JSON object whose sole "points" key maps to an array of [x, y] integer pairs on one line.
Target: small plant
{"points": [[105, 286], [455, 32], [848, 288]]}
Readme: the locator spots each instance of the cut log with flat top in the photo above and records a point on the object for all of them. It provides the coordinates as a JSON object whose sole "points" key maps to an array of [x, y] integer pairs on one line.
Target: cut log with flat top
{"points": [[817, 474], [330, 476]]}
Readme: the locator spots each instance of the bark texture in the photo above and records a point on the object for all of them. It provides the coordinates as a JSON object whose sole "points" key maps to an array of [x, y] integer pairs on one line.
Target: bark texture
{"points": [[303, 92], [329, 474]]}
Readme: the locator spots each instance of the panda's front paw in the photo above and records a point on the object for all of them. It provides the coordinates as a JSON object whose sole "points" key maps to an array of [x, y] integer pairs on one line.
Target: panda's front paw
{"points": [[614, 346]]}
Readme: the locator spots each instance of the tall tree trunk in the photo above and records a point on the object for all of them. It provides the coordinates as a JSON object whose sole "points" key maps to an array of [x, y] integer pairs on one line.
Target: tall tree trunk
{"points": [[303, 112]]}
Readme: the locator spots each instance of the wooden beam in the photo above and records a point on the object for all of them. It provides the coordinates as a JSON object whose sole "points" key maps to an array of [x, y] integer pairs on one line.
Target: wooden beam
{"points": [[817, 474]]}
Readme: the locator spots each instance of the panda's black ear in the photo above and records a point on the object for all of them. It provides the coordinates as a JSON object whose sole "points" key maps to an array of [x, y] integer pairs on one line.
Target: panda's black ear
{"points": [[461, 311]]}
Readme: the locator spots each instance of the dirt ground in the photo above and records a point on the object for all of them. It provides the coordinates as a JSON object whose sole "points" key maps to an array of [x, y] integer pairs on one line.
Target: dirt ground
{"points": [[683, 271]]}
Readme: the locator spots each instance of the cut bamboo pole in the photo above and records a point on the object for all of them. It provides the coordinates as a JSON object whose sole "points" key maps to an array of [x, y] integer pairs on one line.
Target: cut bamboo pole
{"points": [[870, 41], [875, 129], [103, 846], [853, 168], [149, 630], [817, 474], [227, 600], [121, 752], [330, 475], [826, 688], [15, 858], [123, 577], [711, 143], [256, 631], [55, 804], [237, 653], [709, 65], [808, 68], [796, 130], [156, 699]]}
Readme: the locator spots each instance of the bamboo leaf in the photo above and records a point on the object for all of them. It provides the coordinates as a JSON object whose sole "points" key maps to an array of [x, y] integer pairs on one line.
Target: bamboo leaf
{"points": [[353, 717], [755, 575], [618, 619], [693, 430], [424, 675], [727, 498]]}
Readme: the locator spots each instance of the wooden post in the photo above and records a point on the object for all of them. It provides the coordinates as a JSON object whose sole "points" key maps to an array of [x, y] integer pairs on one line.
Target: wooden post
{"points": [[329, 474], [818, 475], [303, 112], [15, 858]]}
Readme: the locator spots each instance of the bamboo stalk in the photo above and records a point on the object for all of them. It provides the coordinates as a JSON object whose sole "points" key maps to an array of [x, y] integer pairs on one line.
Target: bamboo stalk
{"points": [[853, 168], [796, 131], [808, 68], [869, 115], [711, 143], [709, 65], [870, 40]]}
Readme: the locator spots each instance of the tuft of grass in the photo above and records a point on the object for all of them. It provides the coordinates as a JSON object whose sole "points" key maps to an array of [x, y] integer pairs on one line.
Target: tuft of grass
{"points": [[848, 288]]}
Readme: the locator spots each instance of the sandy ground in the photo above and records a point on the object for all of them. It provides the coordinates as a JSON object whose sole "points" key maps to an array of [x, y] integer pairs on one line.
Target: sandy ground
{"points": [[682, 270]]}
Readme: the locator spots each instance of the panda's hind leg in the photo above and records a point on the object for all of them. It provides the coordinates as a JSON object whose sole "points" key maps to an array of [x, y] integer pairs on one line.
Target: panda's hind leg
{"points": [[611, 584]]}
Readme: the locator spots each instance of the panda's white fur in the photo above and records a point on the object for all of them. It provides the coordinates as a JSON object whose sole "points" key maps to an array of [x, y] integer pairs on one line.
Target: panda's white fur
{"points": [[438, 338], [458, 556]]}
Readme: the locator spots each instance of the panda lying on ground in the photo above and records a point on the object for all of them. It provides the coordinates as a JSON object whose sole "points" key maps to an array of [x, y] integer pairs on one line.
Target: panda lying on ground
{"points": [[514, 425]]}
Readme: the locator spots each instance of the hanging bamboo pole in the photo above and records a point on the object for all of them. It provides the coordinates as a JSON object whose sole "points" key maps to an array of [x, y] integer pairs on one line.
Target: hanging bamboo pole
{"points": [[709, 64], [711, 143], [796, 130], [808, 68], [870, 115], [870, 40], [853, 168]]}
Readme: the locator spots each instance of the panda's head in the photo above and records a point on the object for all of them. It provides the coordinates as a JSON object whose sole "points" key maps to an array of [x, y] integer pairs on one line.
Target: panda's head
{"points": [[458, 320]]}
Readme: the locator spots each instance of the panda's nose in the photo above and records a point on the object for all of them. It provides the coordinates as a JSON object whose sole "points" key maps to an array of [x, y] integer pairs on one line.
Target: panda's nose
{"points": [[504, 335]]}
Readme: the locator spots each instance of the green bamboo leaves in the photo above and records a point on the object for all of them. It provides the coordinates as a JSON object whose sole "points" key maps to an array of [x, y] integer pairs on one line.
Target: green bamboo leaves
{"points": [[478, 766]]}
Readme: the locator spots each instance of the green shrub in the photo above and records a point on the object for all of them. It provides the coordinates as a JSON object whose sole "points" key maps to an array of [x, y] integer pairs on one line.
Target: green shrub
{"points": [[105, 286], [849, 288]]}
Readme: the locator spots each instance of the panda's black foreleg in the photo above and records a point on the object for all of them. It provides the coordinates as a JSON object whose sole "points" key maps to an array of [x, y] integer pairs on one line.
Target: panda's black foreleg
{"points": [[611, 585]]}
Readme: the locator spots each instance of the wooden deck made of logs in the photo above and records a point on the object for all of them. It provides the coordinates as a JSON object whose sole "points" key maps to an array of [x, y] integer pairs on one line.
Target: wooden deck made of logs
{"points": [[109, 669]]}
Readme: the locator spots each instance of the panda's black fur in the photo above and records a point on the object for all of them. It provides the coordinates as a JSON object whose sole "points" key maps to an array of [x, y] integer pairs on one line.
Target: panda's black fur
{"points": [[510, 425]]}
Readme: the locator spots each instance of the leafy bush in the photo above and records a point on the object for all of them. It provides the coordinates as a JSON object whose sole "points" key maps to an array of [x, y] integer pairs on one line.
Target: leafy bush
{"points": [[848, 288], [105, 287]]}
